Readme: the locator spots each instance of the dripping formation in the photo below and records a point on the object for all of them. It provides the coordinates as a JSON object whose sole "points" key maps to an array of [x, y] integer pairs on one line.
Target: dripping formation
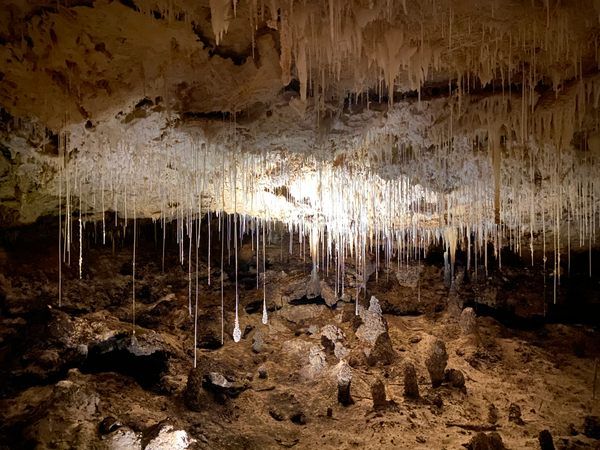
{"points": [[259, 162], [508, 156]]}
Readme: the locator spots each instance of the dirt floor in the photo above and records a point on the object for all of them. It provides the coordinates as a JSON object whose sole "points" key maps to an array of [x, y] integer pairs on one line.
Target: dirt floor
{"points": [[75, 376]]}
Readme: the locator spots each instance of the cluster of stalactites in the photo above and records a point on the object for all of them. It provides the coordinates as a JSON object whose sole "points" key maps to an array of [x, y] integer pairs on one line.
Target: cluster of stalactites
{"points": [[348, 47], [389, 46]]}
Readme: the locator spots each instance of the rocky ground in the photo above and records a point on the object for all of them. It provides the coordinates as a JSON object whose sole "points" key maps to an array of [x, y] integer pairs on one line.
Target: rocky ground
{"points": [[424, 365]]}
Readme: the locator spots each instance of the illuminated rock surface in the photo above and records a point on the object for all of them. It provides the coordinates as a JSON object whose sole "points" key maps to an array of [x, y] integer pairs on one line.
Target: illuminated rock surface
{"points": [[240, 224]]}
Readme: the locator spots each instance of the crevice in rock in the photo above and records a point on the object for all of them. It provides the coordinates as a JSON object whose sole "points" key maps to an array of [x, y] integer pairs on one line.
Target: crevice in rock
{"points": [[238, 58], [256, 306], [318, 300], [208, 115], [506, 317], [130, 4], [116, 355]]}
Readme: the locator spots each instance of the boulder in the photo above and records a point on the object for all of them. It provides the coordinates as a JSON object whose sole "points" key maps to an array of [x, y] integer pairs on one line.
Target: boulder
{"points": [[164, 436], [482, 441], [455, 378], [258, 342], [328, 294]]}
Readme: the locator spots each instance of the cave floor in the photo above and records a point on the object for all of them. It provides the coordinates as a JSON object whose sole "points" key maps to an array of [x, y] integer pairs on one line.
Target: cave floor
{"points": [[72, 377]]}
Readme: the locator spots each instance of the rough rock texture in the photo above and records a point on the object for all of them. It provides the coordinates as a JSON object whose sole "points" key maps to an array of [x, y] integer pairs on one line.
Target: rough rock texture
{"points": [[373, 332], [409, 276], [514, 414], [411, 385], [455, 378], [122, 97], [591, 427], [72, 377], [166, 436], [482, 441], [436, 361], [546, 441], [344, 381], [378, 395], [468, 321], [285, 406]]}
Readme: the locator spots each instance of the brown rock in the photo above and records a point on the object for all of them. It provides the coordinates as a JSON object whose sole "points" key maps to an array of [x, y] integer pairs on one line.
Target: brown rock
{"points": [[492, 414], [436, 362], [344, 380], [482, 441], [378, 394], [468, 321], [411, 386], [591, 427], [382, 352], [546, 441], [455, 378], [514, 414]]}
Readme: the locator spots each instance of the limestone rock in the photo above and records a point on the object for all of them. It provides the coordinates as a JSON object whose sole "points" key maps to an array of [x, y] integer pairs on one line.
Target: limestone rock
{"points": [[340, 351], [409, 276], [514, 414], [382, 352], [108, 425], [344, 380], [411, 386], [455, 378], [299, 314], [164, 436], [591, 427], [545, 440], [328, 294], [258, 342], [205, 382], [436, 361], [217, 384], [468, 321], [373, 323], [262, 372], [332, 333], [378, 394], [332, 339], [373, 332], [124, 438], [317, 362], [482, 441]]}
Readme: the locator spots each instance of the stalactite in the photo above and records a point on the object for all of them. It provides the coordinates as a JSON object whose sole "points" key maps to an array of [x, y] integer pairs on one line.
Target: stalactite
{"points": [[133, 269]]}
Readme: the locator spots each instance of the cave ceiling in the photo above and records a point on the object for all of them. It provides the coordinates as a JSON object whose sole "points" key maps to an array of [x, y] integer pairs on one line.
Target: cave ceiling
{"points": [[384, 116]]}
